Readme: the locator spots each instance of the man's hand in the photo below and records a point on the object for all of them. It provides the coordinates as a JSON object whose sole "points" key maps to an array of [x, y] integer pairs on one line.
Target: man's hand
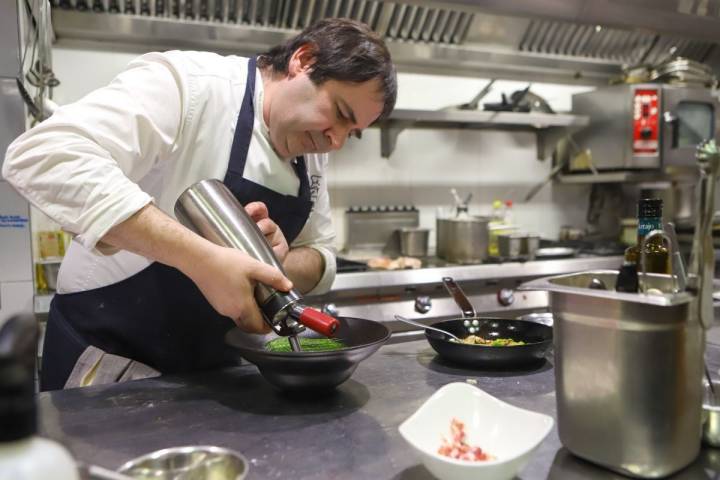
{"points": [[227, 277], [259, 213]]}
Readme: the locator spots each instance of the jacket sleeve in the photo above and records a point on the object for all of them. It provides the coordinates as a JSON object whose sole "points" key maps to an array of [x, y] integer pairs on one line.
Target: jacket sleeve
{"points": [[81, 166], [318, 232]]}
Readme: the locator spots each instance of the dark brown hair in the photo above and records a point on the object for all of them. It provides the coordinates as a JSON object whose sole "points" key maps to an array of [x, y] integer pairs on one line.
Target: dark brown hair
{"points": [[345, 50]]}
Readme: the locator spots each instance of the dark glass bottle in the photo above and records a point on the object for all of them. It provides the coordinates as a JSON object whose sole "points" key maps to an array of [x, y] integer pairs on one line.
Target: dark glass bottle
{"points": [[657, 257]]}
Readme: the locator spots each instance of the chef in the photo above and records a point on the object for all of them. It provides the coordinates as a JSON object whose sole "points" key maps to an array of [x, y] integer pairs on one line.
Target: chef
{"points": [[138, 293]]}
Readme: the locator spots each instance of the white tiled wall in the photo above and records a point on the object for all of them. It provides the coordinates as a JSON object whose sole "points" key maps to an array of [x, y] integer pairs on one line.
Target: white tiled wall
{"points": [[425, 164]]}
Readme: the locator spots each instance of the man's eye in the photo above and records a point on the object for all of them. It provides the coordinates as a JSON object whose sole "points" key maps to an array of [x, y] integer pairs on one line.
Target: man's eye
{"points": [[339, 113]]}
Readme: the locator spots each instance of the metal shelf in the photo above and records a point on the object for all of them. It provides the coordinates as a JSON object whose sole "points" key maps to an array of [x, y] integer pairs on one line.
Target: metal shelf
{"points": [[549, 127]]}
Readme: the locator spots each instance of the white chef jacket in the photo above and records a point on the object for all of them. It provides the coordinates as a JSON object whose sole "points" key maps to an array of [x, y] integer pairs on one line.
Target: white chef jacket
{"points": [[163, 124]]}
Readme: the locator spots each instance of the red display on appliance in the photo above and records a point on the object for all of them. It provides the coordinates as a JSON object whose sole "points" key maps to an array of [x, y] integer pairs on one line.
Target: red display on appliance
{"points": [[646, 122]]}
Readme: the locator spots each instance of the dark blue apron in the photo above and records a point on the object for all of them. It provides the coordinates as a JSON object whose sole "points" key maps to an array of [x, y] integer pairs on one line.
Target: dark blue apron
{"points": [[158, 316]]}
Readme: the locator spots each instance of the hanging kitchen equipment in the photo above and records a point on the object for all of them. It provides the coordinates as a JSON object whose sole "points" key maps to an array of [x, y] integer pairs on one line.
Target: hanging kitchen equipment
{"points": [[629, 366], [212, 211]]}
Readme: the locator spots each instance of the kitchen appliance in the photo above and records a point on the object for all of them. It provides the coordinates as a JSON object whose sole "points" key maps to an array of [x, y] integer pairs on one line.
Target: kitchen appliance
{"points": [[211, 210], [642, 127]]}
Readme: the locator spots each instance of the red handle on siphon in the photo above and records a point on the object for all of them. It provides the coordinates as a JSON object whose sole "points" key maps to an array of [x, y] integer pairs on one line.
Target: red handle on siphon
{"points": [[318, 321]]}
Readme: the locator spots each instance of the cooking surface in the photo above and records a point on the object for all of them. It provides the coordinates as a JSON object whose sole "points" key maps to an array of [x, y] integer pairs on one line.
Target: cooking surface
{"points": [[351, 434]]}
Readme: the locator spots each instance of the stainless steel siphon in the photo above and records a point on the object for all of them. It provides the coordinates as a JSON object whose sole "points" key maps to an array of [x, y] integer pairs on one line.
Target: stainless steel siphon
{"points": [[212, 211]]}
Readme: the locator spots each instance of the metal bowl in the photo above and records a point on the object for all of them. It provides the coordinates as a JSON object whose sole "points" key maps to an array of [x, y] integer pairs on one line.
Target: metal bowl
{"points": [[711, 415], [188, 463]]}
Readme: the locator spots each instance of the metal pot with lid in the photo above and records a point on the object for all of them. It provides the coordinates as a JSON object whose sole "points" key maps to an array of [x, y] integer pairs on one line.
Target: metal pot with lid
{"points": [[462, 238]]}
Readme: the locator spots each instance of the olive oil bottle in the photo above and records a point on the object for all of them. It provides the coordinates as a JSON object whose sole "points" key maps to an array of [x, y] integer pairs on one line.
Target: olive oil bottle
{"points": [[657, 257]]}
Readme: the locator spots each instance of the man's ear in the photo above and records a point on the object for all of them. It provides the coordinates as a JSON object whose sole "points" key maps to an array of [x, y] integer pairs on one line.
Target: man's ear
{"points": [[301, 60]]}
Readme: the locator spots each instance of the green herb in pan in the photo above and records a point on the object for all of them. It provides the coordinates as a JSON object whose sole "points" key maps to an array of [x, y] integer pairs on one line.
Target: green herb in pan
{"points": [[282, 344]]}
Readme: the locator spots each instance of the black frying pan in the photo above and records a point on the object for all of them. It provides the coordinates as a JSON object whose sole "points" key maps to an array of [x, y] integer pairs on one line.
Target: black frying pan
{"points": [[308, 372], [537, 337]]}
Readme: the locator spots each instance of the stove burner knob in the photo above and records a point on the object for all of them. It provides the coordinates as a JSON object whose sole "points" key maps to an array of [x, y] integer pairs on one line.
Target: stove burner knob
{"points": [[330, 309], [506, 297], [423, 304]]}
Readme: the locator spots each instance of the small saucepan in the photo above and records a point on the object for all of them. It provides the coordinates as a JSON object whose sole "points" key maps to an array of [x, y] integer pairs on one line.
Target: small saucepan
{"points": [[537, 338]]}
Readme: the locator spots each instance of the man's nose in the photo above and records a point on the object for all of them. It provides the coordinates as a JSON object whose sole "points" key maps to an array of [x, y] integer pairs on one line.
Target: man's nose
{"points": [[337, 136]]}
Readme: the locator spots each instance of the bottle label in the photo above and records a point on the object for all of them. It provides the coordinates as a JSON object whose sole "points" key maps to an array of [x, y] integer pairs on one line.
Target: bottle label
{"points": [[648, 224]]}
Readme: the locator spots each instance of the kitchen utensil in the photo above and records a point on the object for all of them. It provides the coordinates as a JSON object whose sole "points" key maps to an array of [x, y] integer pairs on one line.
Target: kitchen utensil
{"points": [[711, 414], [537, 337], [189, 462], [211, 210], [462, 238], [651, 348], [702, 263], [518, 245], [418, 324], [95, 472], [313, 372], [414, 241], [508, 433]]}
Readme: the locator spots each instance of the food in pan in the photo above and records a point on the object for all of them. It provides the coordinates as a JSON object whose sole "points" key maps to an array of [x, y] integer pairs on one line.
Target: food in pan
{"points": [[457, 447], [282, 344], [489, 342]]}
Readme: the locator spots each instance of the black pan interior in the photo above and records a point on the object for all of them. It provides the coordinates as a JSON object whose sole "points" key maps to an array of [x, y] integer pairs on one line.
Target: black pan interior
{"points": [[313, 370], [537, 338]]}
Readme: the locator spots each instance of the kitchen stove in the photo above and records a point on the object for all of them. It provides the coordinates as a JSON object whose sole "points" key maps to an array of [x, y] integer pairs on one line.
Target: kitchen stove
{"points": [[420, 295]]}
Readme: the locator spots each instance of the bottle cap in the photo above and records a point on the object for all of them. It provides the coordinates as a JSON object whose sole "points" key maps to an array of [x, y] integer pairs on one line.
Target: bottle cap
{"points": [[18, 415], [650, 207]]}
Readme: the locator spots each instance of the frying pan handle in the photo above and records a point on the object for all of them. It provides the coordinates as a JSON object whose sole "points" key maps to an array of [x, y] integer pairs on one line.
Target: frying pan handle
{"points": [[459, 296]]}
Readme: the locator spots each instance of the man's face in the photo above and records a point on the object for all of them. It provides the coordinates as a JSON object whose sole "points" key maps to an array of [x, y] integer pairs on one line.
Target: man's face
{"points": [[306, 118]]}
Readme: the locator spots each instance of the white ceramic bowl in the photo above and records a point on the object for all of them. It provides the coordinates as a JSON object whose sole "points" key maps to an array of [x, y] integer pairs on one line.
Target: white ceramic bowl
{"points": [[508, 433]]}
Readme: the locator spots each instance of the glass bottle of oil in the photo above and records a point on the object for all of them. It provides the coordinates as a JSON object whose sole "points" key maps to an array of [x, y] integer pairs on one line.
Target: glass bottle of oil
{"points": [[657, 257]]}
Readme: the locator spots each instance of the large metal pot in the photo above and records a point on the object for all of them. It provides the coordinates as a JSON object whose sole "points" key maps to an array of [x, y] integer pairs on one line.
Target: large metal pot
{"points": [[463, 239]]}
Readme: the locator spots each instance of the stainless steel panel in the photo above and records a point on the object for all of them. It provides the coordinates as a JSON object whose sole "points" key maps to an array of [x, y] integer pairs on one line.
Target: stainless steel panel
{"points": [[609, 136], [628, 374], [12, 119], [9, 39]]}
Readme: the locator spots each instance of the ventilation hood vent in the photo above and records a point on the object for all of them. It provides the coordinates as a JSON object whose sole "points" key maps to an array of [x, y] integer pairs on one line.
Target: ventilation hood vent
{"points": [[513, 39]]}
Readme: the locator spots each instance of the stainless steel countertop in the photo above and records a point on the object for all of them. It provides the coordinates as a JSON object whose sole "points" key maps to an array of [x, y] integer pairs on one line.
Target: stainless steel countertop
{"points": [[538, 268], [351, 434]]}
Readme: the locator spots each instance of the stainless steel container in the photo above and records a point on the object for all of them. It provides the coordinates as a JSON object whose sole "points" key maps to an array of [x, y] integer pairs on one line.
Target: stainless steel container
{"points": [[518, 245], [463, 239], [414, 241], [191, 462], [628, 373], [212, 211]]}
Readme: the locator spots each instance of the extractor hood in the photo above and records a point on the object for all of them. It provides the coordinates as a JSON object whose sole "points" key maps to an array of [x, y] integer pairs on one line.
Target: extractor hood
{"points": [[565, 41]]}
